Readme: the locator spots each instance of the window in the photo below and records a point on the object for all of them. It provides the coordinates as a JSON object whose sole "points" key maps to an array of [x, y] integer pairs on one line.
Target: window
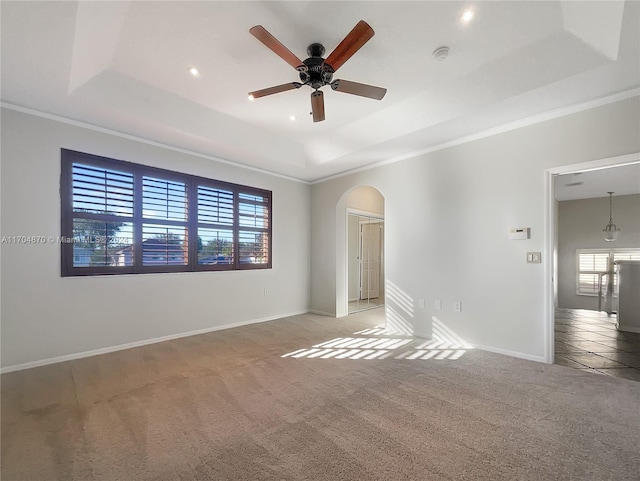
{"points": [[592, 262], [124, 218]]}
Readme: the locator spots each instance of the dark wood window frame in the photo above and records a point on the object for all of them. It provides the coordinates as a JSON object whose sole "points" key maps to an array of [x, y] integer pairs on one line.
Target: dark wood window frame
{"points": [[245, 199]]}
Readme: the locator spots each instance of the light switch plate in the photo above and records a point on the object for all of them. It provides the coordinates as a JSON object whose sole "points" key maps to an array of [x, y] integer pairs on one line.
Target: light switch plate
{"points": [[437, 304], [534, 257], [457, 306]]}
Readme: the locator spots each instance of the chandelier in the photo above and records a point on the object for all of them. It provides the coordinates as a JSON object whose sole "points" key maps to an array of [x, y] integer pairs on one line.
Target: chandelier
{"points": [[610, 230]]}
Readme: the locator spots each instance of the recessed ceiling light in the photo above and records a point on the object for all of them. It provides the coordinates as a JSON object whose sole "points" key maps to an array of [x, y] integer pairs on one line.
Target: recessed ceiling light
{"points": [[292, 118], [194, 71], [467, 16]]}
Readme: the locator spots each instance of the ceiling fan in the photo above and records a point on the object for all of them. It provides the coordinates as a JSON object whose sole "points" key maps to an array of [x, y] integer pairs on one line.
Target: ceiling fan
{"points": [[316, 72]]}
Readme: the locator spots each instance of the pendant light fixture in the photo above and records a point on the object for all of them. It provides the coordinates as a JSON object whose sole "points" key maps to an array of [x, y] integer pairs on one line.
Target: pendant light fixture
{"points": [[610, 231]]}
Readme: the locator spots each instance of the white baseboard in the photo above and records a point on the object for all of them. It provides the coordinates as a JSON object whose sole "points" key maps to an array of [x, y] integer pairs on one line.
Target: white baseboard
{"points": [[627, 328], [521, 355], [321, 313], [422, 335], [129, 345]]}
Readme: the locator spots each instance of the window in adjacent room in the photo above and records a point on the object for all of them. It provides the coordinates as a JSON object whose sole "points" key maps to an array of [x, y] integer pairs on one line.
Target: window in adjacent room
{"points": [[590, 263]]}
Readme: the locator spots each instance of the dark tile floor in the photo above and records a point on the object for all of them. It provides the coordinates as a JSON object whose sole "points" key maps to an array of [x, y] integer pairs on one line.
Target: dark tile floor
{"points": [[589, 340]]}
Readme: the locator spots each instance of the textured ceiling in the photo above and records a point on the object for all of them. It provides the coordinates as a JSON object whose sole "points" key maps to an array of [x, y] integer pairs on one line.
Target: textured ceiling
{"points": [[123, 66]]}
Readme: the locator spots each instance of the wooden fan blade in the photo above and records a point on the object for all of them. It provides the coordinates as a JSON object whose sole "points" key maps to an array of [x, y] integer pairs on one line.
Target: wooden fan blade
{"points": [[274, 44], [274, 90], [317, 105], [355, 88], [355, 39]]}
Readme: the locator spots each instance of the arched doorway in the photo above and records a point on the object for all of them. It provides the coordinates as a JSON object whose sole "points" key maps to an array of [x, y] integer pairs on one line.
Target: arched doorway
{"points": [[359, 250], [365, 260]]}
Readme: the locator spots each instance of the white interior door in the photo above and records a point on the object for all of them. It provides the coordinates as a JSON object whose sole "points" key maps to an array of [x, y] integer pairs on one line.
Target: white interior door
{"points": [[370, 253]]}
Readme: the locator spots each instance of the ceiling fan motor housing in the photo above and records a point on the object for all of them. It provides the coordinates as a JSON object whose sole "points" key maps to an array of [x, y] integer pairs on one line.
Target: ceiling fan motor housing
{"points": [[315, 50], [317, 73]]}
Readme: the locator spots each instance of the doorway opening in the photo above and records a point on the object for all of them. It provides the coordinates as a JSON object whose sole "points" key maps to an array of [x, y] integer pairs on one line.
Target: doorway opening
{"points": [[365, 261], [582, 299], [360, 245]]}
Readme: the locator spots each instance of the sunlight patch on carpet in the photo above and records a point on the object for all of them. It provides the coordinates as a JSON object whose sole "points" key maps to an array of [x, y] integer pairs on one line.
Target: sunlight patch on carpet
{"points": [[377, 343]]}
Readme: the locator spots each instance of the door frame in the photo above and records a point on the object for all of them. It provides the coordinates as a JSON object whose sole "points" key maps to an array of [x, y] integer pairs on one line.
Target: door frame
{"points": [[550, 251], [348, 211], [361, 236]]}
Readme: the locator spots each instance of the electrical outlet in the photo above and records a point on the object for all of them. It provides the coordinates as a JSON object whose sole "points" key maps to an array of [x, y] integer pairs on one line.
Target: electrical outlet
{"points": [[437, 304], [457, 306], [266, 292]]}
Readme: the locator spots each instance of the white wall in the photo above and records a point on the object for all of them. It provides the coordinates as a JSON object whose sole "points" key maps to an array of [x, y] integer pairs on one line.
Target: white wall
{"points": [[366, 199], [46, 316], [447, 218], [580, 224]]}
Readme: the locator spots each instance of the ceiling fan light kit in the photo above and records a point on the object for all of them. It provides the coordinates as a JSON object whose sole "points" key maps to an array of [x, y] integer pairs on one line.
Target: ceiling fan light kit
{"points": [[316, 71], [317, 105]]}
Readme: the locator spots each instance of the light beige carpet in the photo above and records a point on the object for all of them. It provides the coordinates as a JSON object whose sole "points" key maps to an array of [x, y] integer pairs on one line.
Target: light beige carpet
{"points": [[365, 406]]}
